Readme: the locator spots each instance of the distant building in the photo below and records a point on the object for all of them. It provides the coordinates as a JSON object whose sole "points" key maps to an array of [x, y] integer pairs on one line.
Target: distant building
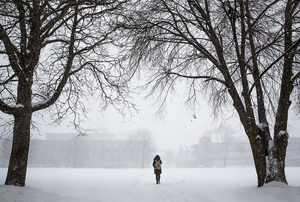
{"points": [[102, 150], [208, 154]]}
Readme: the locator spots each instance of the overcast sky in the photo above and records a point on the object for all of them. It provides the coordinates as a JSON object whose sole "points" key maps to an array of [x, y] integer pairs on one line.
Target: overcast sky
{"points": [[177, 128]]}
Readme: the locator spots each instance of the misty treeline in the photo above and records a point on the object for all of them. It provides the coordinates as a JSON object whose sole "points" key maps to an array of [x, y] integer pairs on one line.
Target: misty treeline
{"points": [[240, 53], [145, 149], [136, 150]]}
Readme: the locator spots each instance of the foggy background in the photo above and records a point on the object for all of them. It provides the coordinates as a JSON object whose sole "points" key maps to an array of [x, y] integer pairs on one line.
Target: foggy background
{"points": [[176, 128], [174, 132]]}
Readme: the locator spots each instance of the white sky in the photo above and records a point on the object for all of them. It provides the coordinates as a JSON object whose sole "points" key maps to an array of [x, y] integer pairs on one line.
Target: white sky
{"points": [[177, 128]]}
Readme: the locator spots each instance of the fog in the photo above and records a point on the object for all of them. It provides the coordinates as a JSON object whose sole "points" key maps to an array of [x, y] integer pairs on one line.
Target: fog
{"points": [[178, 126], [108, 163]]}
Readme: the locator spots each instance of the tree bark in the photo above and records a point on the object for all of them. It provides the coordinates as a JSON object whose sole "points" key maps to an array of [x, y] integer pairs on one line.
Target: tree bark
{"points": [[269, 167], [258, 152], [16, 174], [276, 160]]}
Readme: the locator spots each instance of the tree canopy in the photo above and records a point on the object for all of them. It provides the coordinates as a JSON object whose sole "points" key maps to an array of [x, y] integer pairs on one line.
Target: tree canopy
{"points": [[238, 53], [54, 54]]}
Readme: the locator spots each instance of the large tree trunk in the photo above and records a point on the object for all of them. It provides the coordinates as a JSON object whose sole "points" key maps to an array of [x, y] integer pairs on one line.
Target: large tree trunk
{"points": [[271, 167], [276, 160], [258, 153], [16, 174]]}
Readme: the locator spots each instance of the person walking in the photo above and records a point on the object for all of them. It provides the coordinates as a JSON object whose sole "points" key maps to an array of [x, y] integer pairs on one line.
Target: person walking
{"points": [[157, 168]]}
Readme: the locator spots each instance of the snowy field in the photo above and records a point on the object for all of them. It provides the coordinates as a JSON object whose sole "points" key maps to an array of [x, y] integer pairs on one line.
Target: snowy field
{"points": [[138, 185]]}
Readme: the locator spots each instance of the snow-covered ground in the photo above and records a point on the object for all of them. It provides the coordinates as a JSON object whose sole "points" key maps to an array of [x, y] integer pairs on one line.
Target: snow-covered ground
{"points": [[138, 185]]}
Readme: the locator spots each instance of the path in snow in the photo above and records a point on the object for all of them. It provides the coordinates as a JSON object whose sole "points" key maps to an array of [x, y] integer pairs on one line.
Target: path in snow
{"points": [[110, 184], [128, 185]]}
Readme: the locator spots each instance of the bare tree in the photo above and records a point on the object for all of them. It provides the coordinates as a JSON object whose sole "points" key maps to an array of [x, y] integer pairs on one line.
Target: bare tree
{"points": [[141, 144], [169, 158], [54, 53], [240, 53], [224, 137]]}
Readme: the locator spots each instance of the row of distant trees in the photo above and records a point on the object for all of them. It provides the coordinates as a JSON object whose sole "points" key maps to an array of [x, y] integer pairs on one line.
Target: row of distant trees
{"points": [[136, 150], [242, 54]]}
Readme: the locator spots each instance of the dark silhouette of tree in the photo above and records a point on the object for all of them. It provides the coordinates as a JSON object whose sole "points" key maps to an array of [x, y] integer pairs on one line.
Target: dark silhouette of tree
{"points": [[240, 53], [55, 53]]}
